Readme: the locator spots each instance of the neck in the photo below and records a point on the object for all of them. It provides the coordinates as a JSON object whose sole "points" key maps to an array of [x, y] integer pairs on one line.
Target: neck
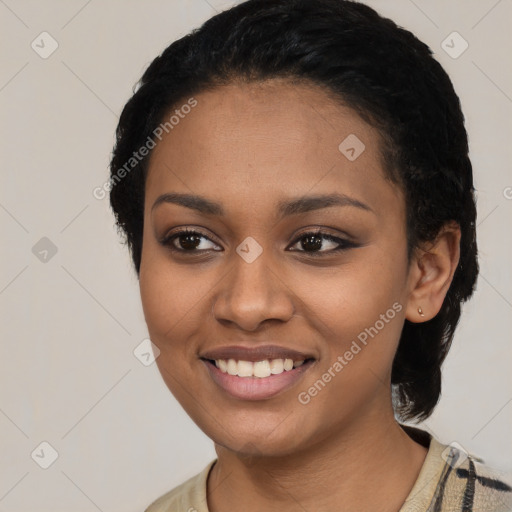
{"points": [[375, 454]]}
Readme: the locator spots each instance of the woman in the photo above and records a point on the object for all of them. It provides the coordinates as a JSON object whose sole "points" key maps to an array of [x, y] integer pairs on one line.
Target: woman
{"points": [[294, 186]]}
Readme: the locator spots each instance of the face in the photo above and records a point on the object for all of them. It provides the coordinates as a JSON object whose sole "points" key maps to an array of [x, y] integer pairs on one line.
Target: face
{"points": [[277, 319]]}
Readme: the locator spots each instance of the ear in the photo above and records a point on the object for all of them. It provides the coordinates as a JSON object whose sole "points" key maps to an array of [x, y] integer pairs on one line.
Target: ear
{"points": [[431, 272]]}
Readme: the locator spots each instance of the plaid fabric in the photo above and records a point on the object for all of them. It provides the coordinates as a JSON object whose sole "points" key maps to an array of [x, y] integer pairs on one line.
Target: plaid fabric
{"points": [[452, 480], [471, 488]]}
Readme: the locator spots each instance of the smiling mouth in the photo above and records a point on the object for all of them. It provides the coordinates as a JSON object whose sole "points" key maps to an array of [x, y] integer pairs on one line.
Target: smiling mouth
{"points": [[257, 369]]}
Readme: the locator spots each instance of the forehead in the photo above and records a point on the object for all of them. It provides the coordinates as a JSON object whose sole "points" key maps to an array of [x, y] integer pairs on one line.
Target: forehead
{"points": [[259, 141]]}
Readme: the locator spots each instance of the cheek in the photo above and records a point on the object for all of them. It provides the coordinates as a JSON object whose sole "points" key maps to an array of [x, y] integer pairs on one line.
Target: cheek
{"points": [[160, 308], [355, 295], [166, 291], [360, 310], [169, 298]]}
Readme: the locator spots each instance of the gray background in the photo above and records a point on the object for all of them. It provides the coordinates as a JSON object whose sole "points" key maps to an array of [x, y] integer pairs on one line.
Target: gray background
{"points": [[71, 320]]}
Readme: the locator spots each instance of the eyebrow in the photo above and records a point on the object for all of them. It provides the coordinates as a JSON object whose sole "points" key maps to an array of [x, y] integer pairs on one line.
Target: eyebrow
{"points": [[285, 208]]}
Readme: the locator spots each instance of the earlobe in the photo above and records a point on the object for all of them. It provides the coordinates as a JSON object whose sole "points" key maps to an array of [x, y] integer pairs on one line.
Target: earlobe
{"points": [[431, 274]]}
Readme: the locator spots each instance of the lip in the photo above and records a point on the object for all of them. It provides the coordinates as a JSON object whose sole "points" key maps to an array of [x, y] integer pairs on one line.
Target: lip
{"points": [[255, 388], [259, 353]]}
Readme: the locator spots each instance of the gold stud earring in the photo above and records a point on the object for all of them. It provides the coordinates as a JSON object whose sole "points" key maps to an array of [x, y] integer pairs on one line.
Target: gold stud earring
{"points": [[420, 311]]}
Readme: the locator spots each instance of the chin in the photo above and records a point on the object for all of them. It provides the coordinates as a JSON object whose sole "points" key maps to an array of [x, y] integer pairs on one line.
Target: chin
{"points": [[259, 435]]}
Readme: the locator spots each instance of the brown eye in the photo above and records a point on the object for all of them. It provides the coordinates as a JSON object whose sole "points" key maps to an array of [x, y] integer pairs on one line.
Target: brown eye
{"points": [[186, 240], [312, 242]]}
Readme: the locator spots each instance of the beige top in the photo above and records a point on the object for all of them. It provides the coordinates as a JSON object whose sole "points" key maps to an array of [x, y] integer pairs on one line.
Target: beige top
{"points": [[449, 480]]}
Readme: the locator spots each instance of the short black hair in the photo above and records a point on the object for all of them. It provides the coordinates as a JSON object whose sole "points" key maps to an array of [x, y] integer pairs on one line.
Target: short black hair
{"points": [[366, 62]]}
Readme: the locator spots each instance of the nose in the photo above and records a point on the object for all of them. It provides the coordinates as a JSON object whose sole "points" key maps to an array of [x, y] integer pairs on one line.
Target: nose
{"points": [[253, 293]]}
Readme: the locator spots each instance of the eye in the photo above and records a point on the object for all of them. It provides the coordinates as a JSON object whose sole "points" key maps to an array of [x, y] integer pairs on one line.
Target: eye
{"points": [[188, 239], [313, 240]]}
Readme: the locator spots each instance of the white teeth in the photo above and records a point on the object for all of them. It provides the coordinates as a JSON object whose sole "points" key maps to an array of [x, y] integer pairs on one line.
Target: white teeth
{"points": [[232, 367], [245, 368], [276, 366], [260, 369]]}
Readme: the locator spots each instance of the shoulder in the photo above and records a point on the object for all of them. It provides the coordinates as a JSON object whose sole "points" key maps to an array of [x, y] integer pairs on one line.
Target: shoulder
{"points": [[453, 479], [468, 481], [190, 496]]}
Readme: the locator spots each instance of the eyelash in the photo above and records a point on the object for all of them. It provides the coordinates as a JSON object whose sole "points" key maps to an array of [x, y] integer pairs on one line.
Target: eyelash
{"points": [[343, 244]]}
